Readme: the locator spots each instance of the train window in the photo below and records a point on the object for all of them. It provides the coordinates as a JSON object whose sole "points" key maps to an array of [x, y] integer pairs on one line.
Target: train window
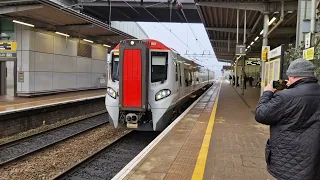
{"points": [[176, 71], [180, 75], [159, 63], [187, 77], [115, 68]]}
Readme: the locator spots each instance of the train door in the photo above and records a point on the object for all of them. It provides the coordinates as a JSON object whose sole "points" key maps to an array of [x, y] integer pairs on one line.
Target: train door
{"points": [[7, 78], [180, 80], [133, 79], [177, 84]]}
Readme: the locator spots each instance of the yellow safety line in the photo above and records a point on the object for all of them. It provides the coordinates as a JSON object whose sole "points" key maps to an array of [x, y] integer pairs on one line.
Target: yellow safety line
{"points": [[203, 153]]}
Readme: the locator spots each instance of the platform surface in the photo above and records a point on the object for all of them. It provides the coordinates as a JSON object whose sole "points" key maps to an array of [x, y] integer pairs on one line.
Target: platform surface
{"points": [[213, 140], [8, 103], [237, 143]]}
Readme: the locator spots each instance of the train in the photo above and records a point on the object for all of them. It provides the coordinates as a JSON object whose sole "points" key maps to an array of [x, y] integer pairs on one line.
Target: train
{"points": [[148, 83]]}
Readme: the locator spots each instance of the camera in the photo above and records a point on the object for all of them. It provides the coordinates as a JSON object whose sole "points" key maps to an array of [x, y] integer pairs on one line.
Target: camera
{"points": [[279, 85]]}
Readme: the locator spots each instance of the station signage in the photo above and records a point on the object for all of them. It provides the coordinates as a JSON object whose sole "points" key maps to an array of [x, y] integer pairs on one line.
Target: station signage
{"points": [[7, 46], [253, 63], [8, 55], [8, 49], [308, 54], [226, 68], [274, 52], [307, 40], [240, 50], [264, 53]]}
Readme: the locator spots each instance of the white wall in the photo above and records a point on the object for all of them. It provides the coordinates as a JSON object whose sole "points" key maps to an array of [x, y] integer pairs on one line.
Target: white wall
{"points": [[50, 62], [10, 77], [131, 28]]}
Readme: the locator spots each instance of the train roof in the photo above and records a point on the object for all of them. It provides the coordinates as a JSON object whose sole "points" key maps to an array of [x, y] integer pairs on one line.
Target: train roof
{"points": [[157, 45], [153, 44]]}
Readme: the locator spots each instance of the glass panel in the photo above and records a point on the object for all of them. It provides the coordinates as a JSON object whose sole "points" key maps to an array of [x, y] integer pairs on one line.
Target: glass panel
{"points": [[159, 61]]}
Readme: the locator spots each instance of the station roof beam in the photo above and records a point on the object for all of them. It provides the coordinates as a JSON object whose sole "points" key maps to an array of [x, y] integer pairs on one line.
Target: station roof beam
{"points": [[54, 16], [12, 9], [144, 11], [282, 30], [273, 6], [220, 19]]}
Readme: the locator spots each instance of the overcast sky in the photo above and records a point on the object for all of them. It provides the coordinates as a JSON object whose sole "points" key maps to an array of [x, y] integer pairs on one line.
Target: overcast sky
{"points": [[182, 38]]}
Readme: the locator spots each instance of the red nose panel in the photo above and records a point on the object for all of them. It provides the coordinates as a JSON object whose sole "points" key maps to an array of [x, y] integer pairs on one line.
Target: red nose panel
{"points": [[132, 78]]}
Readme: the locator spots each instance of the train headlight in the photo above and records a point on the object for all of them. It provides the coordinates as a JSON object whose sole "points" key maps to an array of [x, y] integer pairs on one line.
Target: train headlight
{"points": [[162, 94], [111, 92]]}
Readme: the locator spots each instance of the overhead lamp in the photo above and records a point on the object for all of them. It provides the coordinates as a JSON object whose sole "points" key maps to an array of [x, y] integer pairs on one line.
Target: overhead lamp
{"points": [[23, 23], [261, 32], [88, 40], [106, 45], [187, 64], [62, 34], [289, 12], [256, 38], [272, 20], [248, 47], [251, 43]]}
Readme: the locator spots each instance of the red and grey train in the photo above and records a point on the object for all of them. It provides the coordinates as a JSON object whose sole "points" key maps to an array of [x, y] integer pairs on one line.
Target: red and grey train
{"points": [[148, 82]]}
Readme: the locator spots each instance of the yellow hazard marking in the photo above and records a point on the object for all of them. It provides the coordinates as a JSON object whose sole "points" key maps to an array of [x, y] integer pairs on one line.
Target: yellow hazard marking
{"points": [[220, 120], [198, 171]]}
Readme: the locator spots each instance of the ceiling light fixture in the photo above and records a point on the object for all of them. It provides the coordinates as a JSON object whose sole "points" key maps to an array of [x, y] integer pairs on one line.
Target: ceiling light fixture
{"points": [[23, 23], [88, 40], [261, 32], [272, 20], [62, 34]]}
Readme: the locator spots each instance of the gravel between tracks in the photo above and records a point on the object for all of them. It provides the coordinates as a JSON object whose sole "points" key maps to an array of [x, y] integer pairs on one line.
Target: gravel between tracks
{"points": [[49, 162], [39, 141]]}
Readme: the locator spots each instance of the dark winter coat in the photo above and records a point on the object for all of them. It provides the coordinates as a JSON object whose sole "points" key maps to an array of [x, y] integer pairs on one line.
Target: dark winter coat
{"points": [[293, 150]]}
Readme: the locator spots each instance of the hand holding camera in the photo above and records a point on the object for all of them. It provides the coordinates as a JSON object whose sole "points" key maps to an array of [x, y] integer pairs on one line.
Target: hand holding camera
{"points": [[275, 86], [279, 85]]}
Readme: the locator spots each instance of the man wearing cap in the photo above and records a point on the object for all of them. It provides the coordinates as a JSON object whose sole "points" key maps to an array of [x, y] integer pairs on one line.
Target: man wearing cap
{"points": [[293, 149]]}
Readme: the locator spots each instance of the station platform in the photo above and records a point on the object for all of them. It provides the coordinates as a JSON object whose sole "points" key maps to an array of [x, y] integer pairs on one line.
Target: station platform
{"points": [[16, 104], [217, 137]]}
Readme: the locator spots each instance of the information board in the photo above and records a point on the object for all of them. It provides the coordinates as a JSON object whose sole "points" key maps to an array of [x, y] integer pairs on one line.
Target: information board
{"points": [[272, 70], [8, 49]]}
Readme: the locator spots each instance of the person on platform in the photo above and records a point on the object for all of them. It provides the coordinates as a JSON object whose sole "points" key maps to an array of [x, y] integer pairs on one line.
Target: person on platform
{"points": [[250, 80], [245, 79], [233, 80], [293, 149]]}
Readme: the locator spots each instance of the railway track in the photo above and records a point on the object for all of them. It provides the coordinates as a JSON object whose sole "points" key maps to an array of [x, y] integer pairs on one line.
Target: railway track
{"points": [[111, 159], [16, 150], [108, 161]]}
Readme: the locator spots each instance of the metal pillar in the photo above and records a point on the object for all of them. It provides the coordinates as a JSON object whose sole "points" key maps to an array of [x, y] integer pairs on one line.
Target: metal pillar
{"points": [[3, 80], [264, 43], [237, 26], [298, 24], [313, 22], [245, 27], [236, 73], [313, 16], [244, 43], [229, 42]]}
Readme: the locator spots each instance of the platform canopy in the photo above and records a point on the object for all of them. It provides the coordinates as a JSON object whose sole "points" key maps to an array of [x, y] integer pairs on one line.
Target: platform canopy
{"points": [[180, 11], [54, 16], [220, 20]]}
